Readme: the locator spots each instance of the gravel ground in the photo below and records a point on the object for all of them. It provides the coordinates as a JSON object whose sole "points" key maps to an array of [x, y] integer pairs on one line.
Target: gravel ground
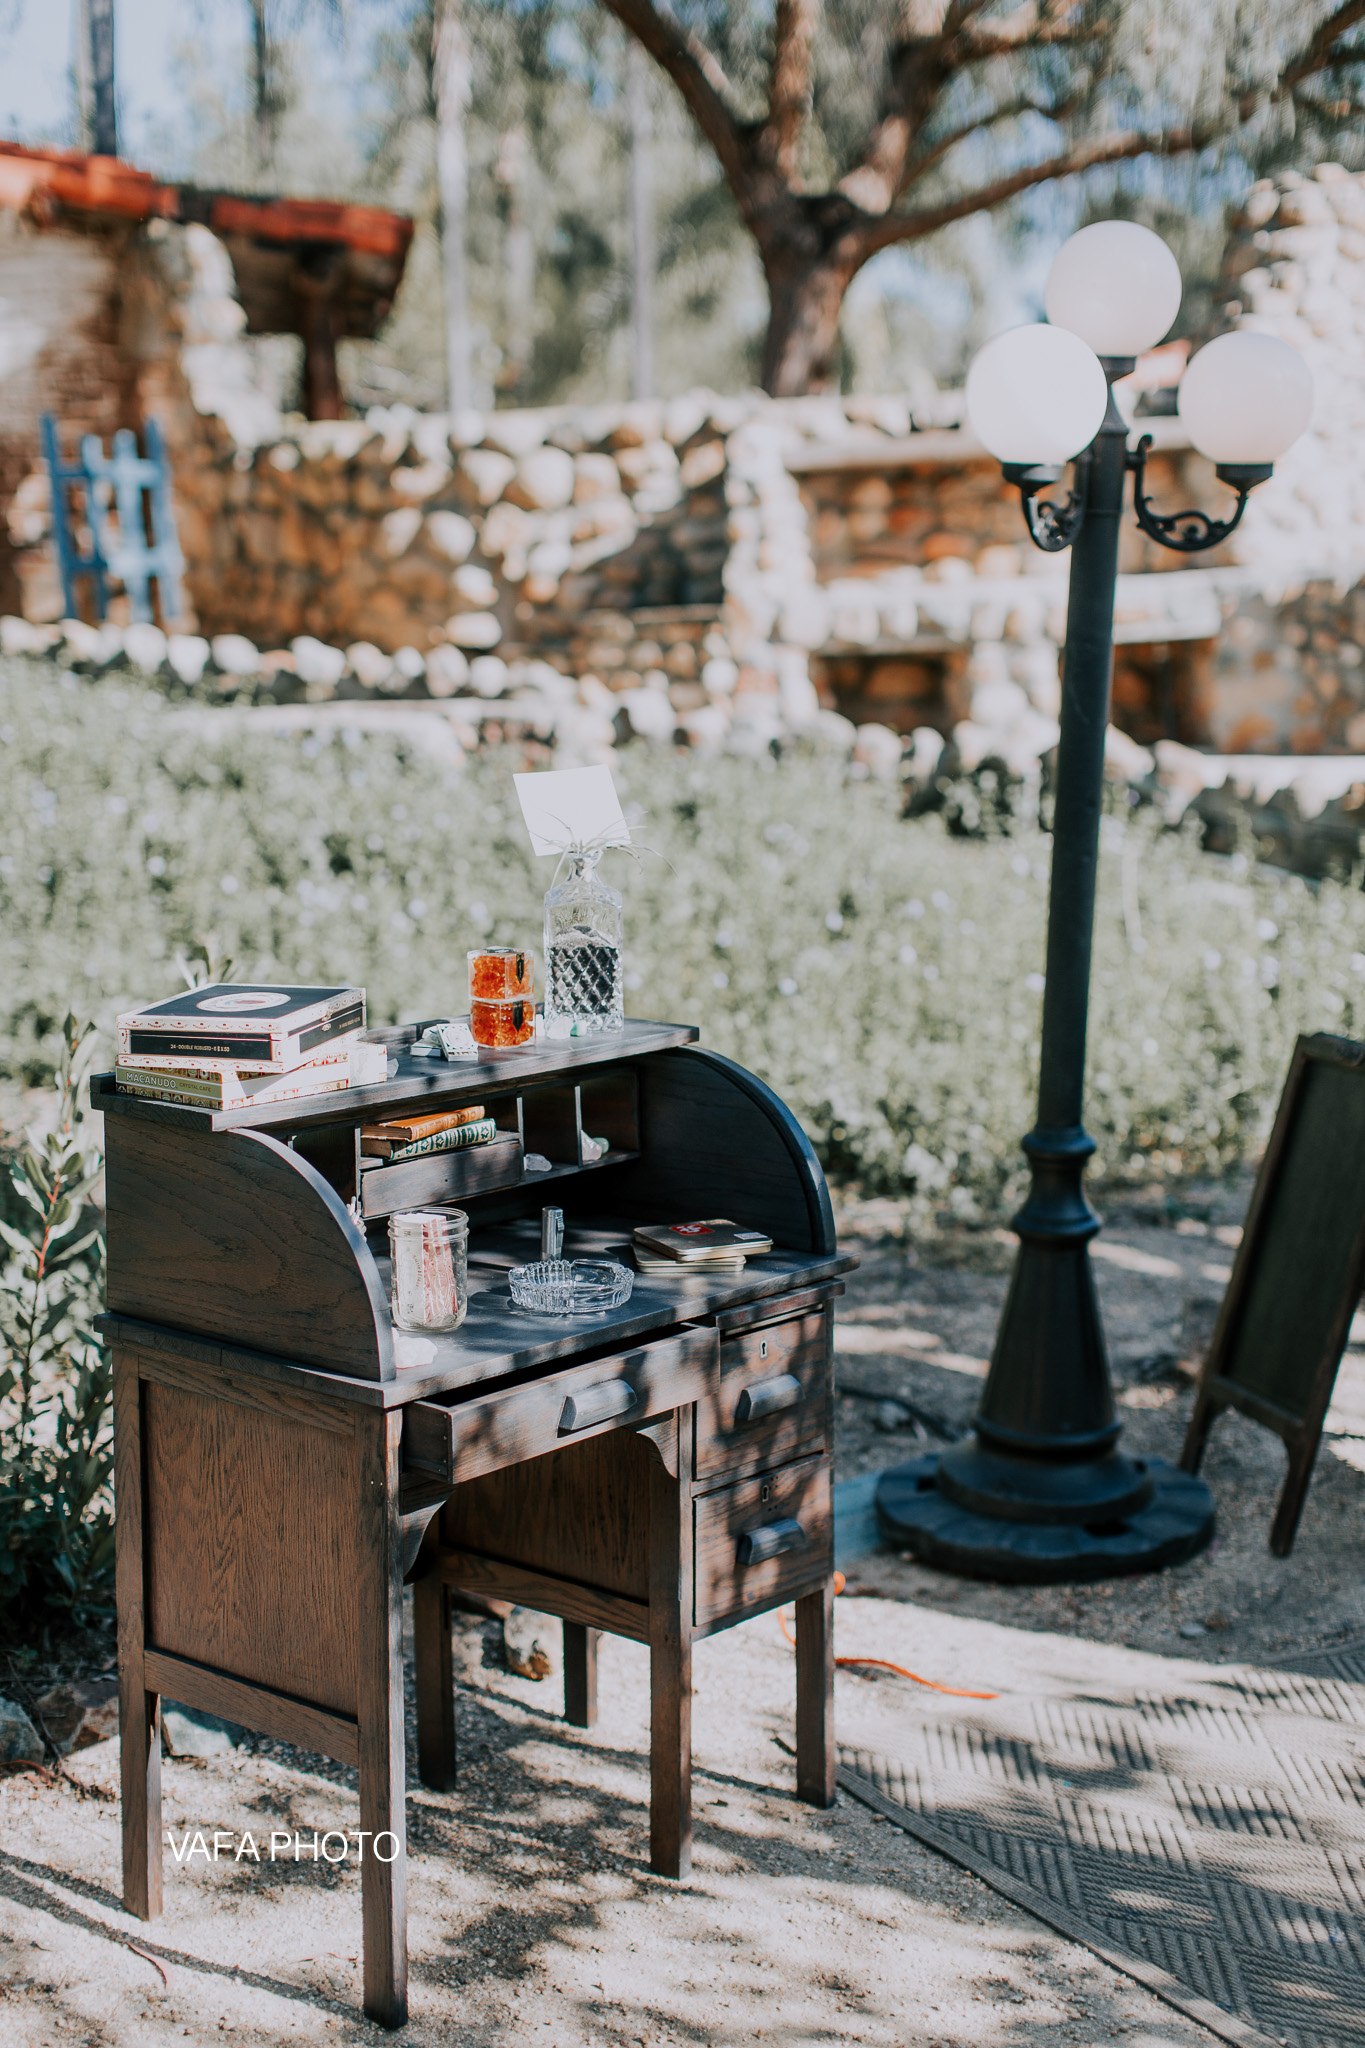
{"points": [[924, 1333], [533, 1917]]}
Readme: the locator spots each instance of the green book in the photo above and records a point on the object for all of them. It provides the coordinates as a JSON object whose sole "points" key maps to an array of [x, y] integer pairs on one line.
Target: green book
{"points": [[458, 1139]]}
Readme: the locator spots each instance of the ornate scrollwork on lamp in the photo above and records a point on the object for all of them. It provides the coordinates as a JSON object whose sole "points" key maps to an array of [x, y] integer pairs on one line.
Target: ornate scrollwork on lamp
{"points": [[1190, 533], [1052, 527]]}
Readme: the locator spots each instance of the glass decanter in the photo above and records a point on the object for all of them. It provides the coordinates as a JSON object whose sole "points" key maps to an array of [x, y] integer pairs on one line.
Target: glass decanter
{"points": [[584, 987]]}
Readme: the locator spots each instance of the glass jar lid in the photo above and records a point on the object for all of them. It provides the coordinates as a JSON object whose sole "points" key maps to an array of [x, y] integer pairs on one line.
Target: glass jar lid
{"points": [[419, 1222]]}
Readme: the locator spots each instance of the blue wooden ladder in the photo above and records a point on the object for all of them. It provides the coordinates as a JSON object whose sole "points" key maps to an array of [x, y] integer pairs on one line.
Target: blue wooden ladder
{"points": [[130, 557], [124, 552], [70, 561]]}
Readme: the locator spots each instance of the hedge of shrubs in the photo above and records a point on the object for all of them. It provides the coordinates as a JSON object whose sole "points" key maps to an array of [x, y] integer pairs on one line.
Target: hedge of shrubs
{"points": [[881, 973]]}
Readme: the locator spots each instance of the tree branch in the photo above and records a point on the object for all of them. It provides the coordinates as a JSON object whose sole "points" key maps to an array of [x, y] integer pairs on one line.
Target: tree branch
{"points": [[939, 42], [980, 44], [1321, 53], [1319, 109], [919, 165], [789, 92], [910, 227], [917, 71], [697, 76]]}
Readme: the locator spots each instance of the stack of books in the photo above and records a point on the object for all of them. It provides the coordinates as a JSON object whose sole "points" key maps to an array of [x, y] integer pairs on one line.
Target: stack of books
{"points": [[238, 1045], [414, 1137], [715, 1245]]}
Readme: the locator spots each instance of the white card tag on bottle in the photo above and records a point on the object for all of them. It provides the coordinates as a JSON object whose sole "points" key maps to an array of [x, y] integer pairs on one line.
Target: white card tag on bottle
{"points": [[566, 807]]}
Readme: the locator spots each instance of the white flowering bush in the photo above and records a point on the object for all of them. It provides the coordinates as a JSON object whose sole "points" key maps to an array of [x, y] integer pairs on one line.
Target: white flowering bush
{"points": [[884, 976]]}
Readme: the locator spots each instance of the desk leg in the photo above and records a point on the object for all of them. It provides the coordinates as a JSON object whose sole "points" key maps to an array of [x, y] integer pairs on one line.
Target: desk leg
{"points": [[139, 1710], [815, 1754], [380, 1715], [580, 1675], [670, 1660], [435, 1675]]}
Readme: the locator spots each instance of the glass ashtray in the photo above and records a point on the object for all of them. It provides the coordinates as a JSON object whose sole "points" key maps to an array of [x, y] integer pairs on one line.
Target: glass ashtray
{"points": [[570, 1287]]}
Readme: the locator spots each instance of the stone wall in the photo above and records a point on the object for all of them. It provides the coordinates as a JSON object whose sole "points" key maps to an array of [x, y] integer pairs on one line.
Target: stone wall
{"points": [[727, 572], [106, 323], [949, 505], [395, 530], [87, 332]]}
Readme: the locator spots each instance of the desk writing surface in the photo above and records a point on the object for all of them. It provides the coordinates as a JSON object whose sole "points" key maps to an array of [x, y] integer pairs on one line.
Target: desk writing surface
{"points": [[491, 1345], [498, 1339]]}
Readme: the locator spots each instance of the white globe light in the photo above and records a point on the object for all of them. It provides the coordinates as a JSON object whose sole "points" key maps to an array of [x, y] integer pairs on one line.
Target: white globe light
{"points": [[1245, 397], [1116, 285], [1036, 395]]}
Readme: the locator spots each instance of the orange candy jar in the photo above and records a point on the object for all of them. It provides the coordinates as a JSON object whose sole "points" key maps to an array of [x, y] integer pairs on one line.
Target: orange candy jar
{"points": [[503, 1024], [496, 973]]}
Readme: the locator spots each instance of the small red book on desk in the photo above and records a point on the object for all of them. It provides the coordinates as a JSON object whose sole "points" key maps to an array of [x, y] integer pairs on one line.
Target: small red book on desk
{"points": [[696, 1243]]}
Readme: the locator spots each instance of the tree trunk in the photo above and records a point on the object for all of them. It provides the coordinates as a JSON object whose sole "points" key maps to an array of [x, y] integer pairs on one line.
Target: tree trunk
{"points": [[263, 93], [104, 121], [805, 300], [451, 69], [644, 260], [519, 260], [317, 318], [80, 76]]}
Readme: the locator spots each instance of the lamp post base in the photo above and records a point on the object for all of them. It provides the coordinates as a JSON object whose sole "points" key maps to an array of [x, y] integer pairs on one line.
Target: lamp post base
{"points": [[1174, 1524]]}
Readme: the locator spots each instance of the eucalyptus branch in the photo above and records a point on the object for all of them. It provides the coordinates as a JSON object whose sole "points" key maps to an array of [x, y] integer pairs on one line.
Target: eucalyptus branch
{"points": [[52, 1178]]}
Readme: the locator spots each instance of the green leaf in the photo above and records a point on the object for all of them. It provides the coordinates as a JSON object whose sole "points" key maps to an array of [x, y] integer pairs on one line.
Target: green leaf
{"points": [[66, 1254]]}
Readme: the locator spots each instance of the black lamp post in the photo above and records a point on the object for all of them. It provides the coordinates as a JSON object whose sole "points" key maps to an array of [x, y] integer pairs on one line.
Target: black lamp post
{"points": [[1042, 1491]]}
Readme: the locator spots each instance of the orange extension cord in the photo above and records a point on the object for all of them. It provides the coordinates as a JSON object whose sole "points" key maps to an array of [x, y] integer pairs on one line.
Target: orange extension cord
{"points": [[883, 1664]]}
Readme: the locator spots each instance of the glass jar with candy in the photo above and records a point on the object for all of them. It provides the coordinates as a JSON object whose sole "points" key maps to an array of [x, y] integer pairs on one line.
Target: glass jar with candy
{"points": [[429, 1288], [500, 1025], [502, 1004], [497, 973]]}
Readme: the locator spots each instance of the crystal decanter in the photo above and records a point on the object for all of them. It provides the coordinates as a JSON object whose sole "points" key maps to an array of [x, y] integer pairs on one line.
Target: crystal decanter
{"points": [[583, 977]]}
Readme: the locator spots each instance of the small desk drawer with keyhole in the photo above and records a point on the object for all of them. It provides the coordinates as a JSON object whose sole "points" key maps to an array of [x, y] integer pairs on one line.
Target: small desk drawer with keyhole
{"points": [[763, 1541], [769, 1401]]}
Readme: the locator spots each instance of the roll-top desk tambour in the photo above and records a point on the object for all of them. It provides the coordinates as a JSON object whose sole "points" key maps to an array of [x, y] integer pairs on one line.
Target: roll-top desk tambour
{"points": [[660, 1472]]}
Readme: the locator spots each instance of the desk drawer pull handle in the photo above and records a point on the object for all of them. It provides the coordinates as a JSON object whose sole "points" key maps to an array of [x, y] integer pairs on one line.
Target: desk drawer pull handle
{"points": [[596, 1404], [768, 1397], [756, 1546]]}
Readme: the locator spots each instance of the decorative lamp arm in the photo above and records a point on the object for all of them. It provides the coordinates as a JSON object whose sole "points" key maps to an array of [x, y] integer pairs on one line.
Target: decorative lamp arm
{"points": [[1051, 527], [1190, 533]]}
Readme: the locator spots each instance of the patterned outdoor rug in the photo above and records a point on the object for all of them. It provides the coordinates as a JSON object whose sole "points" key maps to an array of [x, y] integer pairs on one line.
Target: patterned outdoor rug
{"points": [[1343, 1660], [1210, 1843]]}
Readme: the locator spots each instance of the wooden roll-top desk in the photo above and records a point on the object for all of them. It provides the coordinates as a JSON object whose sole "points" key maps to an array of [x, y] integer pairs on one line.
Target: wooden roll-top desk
{"points": [[661, 1471]]}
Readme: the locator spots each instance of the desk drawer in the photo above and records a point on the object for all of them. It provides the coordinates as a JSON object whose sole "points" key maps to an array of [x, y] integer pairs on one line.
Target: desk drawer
{"points": [[762, 1541], [464, 1438], [770, 1397]]}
